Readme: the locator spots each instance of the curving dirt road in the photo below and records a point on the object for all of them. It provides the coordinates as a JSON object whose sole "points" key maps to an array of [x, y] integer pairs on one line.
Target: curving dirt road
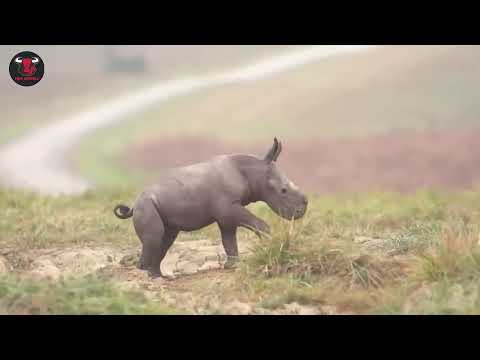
{"points": [[39, 161]]}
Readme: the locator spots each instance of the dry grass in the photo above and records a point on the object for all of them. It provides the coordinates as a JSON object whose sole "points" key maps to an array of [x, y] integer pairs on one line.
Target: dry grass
{"points": [[455, 256], [426, 257]]}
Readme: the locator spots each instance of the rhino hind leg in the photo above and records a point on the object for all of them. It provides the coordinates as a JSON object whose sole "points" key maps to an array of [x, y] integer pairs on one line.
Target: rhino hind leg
{"points": [[145, 257], [159, 252], [142, 264], [151, 230]]}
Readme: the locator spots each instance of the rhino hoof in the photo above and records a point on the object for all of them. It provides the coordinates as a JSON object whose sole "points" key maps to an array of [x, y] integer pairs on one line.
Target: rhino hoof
{"points": [[231, 262]]}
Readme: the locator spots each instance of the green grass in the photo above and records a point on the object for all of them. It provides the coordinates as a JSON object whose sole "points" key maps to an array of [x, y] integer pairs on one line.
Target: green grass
{"points": [[435, 245], [83, 296], [428, 245], [447, 298], [31, 221]]}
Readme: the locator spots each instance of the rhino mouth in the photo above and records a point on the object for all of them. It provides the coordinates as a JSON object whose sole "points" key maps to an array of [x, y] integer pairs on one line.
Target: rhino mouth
{"points": [[299, 213], [295, 213]]}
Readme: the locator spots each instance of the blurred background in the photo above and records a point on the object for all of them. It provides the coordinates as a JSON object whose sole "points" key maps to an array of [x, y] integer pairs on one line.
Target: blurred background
{"points": [[394, 118]]}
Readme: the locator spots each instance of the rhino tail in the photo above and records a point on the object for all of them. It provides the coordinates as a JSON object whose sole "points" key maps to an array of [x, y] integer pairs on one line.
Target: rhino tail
{"points": [[123, 212]]}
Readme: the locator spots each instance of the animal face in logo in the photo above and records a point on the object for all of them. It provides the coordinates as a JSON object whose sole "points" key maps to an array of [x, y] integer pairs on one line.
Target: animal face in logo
{"points": [[26, 65], [26, 68]]}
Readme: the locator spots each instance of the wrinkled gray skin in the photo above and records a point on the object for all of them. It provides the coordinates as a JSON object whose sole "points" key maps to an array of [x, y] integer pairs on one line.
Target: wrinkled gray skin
{"points": [[192, 197]]}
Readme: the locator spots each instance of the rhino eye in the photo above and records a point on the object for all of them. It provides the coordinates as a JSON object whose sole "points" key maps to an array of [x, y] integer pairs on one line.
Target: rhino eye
{"points": [[284, 190]]}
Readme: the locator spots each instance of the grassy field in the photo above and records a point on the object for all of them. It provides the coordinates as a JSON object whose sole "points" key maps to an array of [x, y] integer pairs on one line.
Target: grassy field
{"points": [[375, 253], [84, 296], [353, 253], [395, 89]]}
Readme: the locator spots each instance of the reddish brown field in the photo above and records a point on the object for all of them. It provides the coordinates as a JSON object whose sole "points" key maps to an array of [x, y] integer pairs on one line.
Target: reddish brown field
{"points": [[402, 162]]}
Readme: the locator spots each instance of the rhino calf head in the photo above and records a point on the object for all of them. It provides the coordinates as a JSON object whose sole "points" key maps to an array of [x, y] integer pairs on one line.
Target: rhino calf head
{"points": [[280, 193], [192, 197]]}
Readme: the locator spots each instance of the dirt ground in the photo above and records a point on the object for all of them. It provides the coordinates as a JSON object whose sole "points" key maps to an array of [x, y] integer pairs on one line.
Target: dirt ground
{"points": [[194, 270], [398, 162]]}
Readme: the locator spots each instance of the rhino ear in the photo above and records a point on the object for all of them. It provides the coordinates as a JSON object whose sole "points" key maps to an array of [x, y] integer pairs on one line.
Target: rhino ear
{"points": [[279, 150], [273, 152]]}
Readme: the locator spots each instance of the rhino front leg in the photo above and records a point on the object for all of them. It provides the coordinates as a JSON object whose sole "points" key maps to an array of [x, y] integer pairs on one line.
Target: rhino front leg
{"points": [[229, 241], [248, 220], [229, 222]]}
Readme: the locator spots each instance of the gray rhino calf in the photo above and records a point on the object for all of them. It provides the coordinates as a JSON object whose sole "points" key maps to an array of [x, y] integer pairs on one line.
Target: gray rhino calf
{"points": [[192, 197]]}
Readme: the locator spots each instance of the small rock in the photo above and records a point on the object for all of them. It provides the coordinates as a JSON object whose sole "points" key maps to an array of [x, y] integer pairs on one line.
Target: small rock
{"points": [[169, 264]]}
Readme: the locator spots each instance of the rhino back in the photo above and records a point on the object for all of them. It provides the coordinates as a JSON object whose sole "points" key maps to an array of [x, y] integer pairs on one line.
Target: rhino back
{"points": [[189, 197]]}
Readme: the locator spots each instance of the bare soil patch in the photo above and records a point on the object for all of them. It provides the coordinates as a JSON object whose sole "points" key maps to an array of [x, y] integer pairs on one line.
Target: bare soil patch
{"points": [[404, 162], [197, 286]]}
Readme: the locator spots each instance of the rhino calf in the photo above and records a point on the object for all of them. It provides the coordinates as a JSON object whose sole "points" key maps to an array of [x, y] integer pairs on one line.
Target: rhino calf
{"points": [[192, 197]]}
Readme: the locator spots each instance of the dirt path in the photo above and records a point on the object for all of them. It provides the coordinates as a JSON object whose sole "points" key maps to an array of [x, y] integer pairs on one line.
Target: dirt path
{"points": [[39, 161]]}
